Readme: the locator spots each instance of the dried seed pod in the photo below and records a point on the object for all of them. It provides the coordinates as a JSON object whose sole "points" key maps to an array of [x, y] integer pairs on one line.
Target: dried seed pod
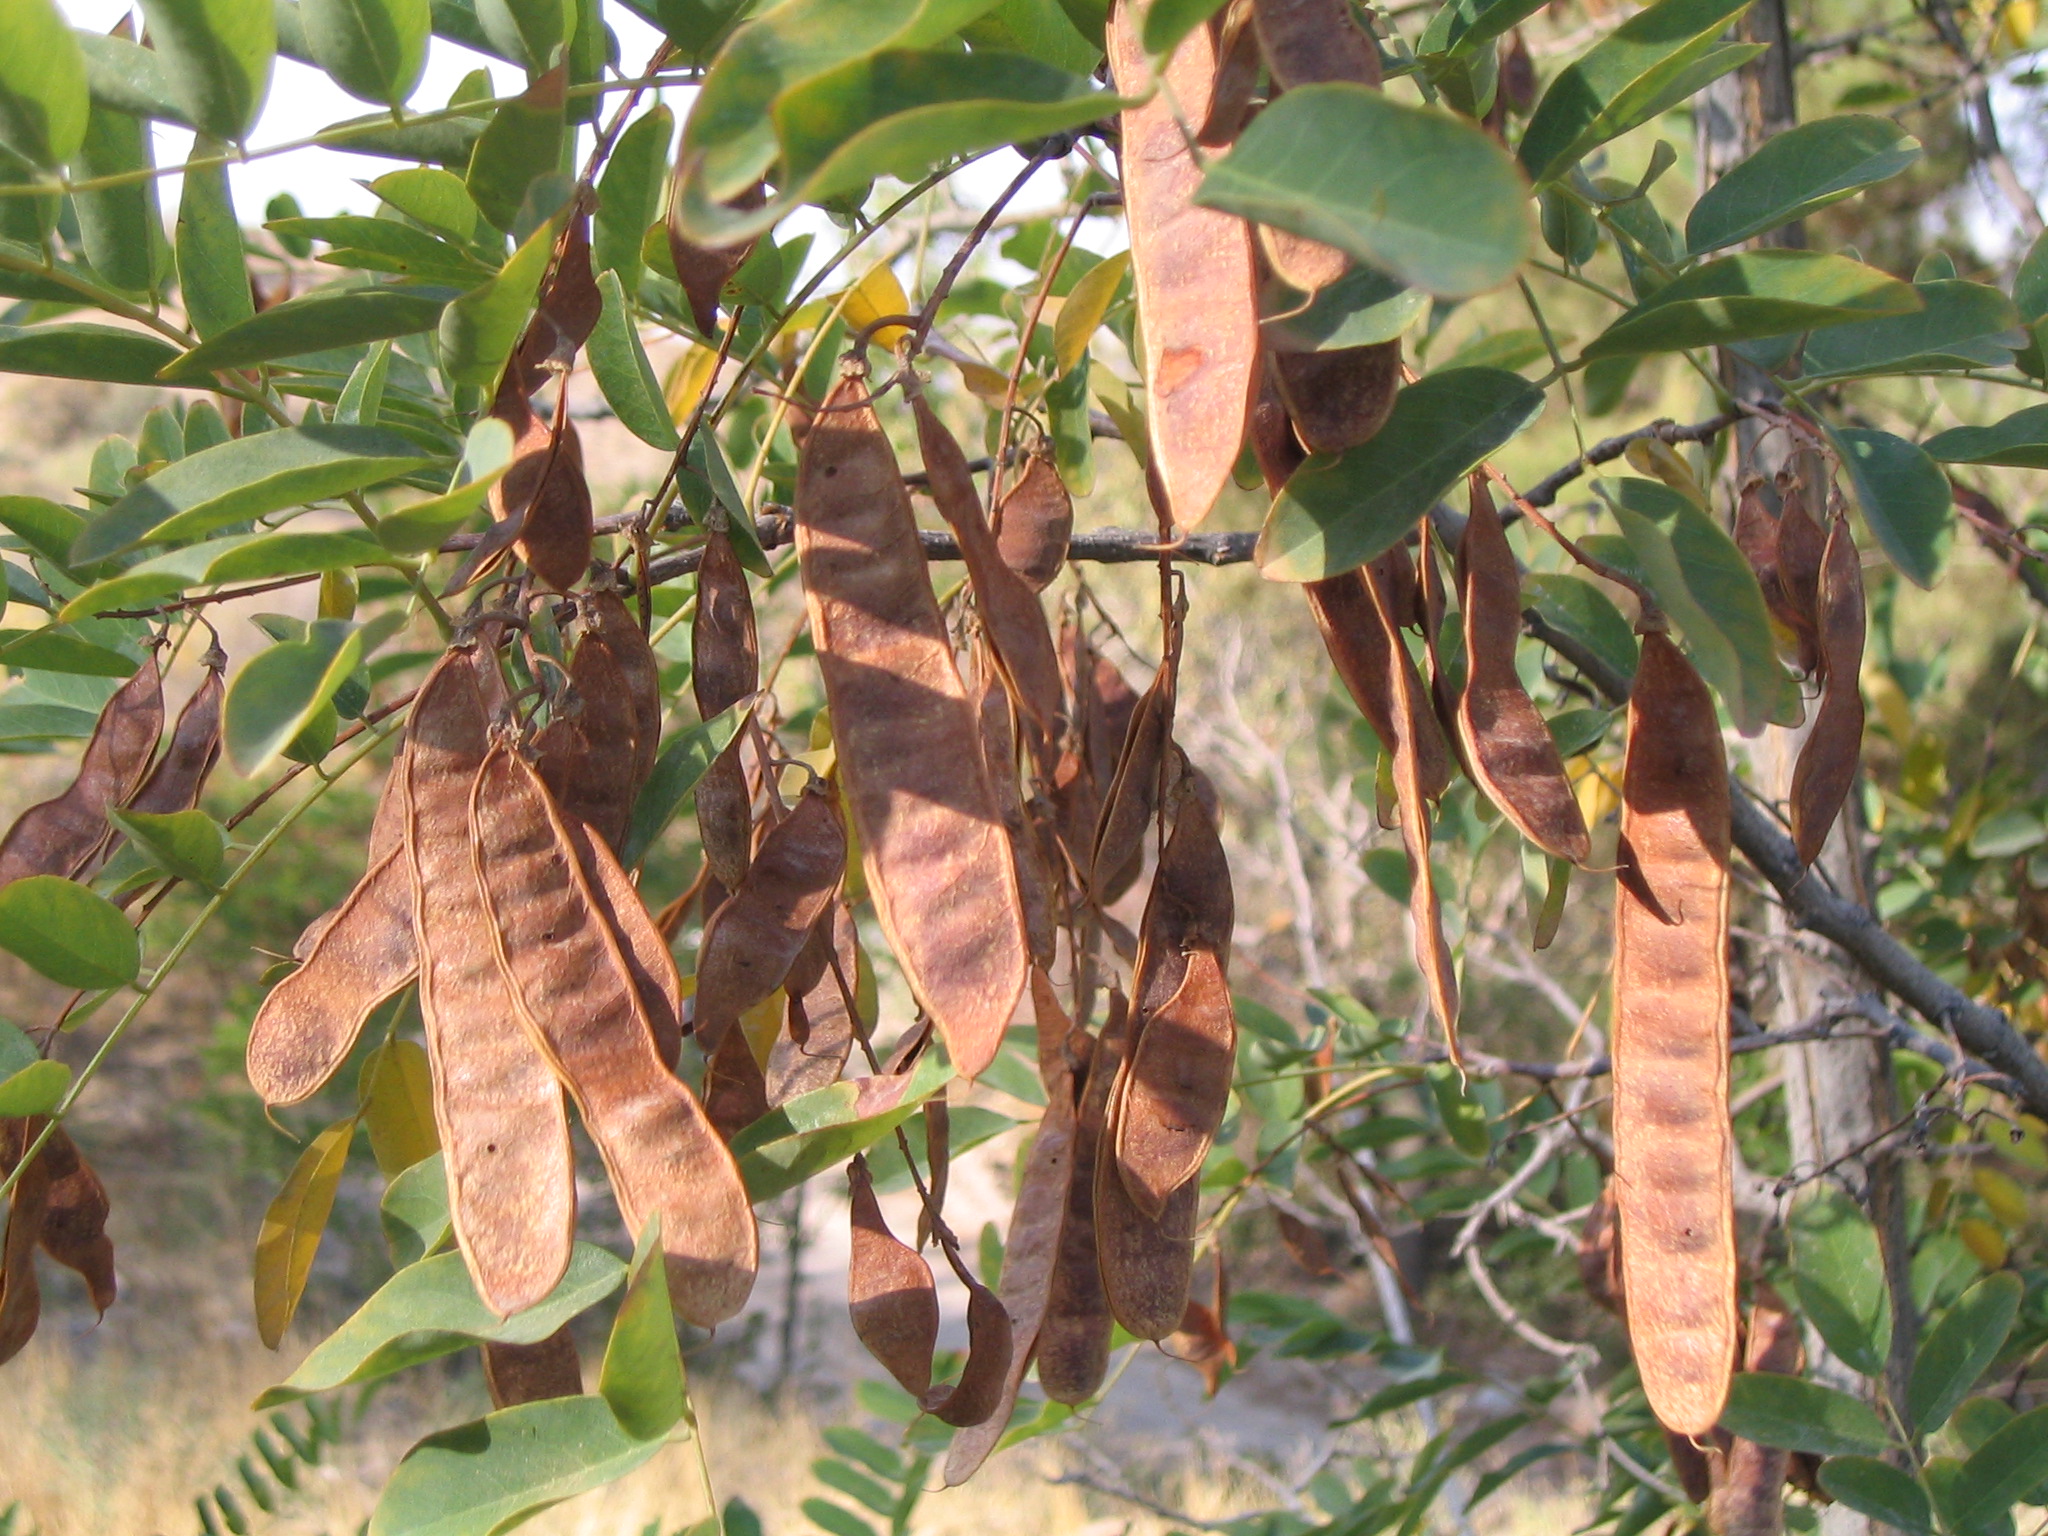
{"points": [[1748, 1496], [644, 950], [639, 669], [735, 1090], [1671, 1134], [1074, 1333], [1034, 521], [75, 1219], [1309, 265], [752, 940], [1307, 42], [21, 1292], [547, 494], [824, 1015], [531, 1373], [1801, 549], [1010, 614], [497, 1106], [1273, 440], [1237, 76], [704, 271], [1133, 795], [1034, 878], [1341, 398], [1193, 271], [890, 1292], [362, 956], [932, 841], [573, 991], [1508, 747], [1305, 1244], [179, 776], [1599, 1253], [1179, 1086], [725, 668], [1190, 907], [589, 764], [1828, 760], [567, 311], [1148, 1263], [59, 836], [1369, 658]]}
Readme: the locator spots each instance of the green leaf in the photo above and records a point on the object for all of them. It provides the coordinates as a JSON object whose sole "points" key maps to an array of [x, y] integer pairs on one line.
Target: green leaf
{"points": [[83, 350], [2019, 441], [362, 397], [385, 245], [422, 527], [835, 1519], [216, 56], [122, 76], [120, 227], [1617, 82], [1797, 172], [1168, 21], [295, 554], [1904, 496], [526, 32], [247, 478], [189, 845], [629, 195], [479, 330], [1959, 1348], [1797, 1415], [1879, 1490], [435, 197], [1708, 588], [43, 101], [292, 1228], [45, 722], [1963, 325], [642, 1375], [375, 50], [57, 648], [824, 1128], [278, 692], [43, 525], [1418, 193], [522, 141], [323, 321], [1339, 511], [683, 761], [71, 934], [1460, 28], [1838, 1275], [708, 459], [212, 279], [624, 376], [1581, 610], [2003, 1471], [36, 1089], [446, 141], [1464, 1117], [1362, 308], [496, 1472], [1759, 293], [1041, 28], [414, 1212], [430, 1309], [150, 581]]}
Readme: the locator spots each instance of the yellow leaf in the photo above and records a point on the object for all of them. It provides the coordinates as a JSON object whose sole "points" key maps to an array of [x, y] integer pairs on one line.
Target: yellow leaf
{"points": [[291, 1230], [1083, 312], [1985, 1242], [1115, 398], [763, 1022], [990, 384], [874, 296], [2003, 1194], [1938, 1195], [396, 1091], [1661, 460], [688, 377], [2016, 21], [1598, 799]]}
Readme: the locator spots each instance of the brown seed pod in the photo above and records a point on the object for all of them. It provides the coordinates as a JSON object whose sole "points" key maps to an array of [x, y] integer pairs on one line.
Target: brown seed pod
{"points": [[1338, 399], [1237, 76], [589, 764], [1133, 796], [751, 941], [1305, 1244], [1148, 1263], [704, 271], [641, 945], [735, 1091], [1074, 1334], [725, 668], [1193, 271], [1273, 440], [1034, 521], [1801, 548], [179, 776], [75, 1219], [21, 1292], [1671, 1133], [567, 311], [543, 501], [1748, 1493], [504, 1131], [1034, 878], [1190, 907], [59, 836], [1369, 657], [1307, 42], [639, 669], [1599, 1253], [1009, 609], [1826, 770], [573, 992], [1179, 1086], [531, 1373], [932, 841], [1310, 265], [1509, 749], [890, 1292], [823, 1014]]}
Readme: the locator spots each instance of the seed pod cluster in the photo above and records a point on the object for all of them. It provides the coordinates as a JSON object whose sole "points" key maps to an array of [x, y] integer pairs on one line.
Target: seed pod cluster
{"points": [[60, 1206]]}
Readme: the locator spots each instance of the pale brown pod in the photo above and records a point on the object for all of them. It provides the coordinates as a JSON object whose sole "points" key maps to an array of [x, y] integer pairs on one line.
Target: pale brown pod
{"points": [[59, 836], [1075, 1330], [1009, 609], [504, 1130], [21, 1291], [725, 668], [1034, 878], [1147, 1262], [823, 1011], [752, 940], [75, 1219], [1307, 265], [639, 670], [1748, 1494], [532, 1373], [543, 501], [641, 945], [1034, 522], [1341, 398], [567, 310], [936, 857], [890, 1292], [991, 1347], [1826, 770], [1508, 748], [1133, 795], [735, 1089], [1672, 1142], [180, 774], [1273, 440], [589, 764], [1308, 42], [573, 992], [1179, 1085], [1190, 907], [1193, 271], [1369, 657]]}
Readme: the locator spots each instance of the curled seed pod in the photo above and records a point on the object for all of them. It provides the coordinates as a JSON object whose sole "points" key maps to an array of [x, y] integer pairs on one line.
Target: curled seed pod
{"points": [[702, 270], [641, 945], [1341, 398], [75, 1219], [497, 1106], [589, 765], [573, 992], [1009, 609], [639, 670], [1133, 795], [1034, 878], [991, 1346], [21, 1292], [824, 1014], [1193, 271], [1508, 747], [1307, 42], [1826, 769], [1074, 1334], [751, 941], [1190, 907], [363, 955], [532, 1373], [1034, 522], [59, 836], [179, 776], [932, 841], [1370, 658], [1237, 77], [1748, 1496], [890, 1292], [1671, 1131], [1179, 1086]]}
